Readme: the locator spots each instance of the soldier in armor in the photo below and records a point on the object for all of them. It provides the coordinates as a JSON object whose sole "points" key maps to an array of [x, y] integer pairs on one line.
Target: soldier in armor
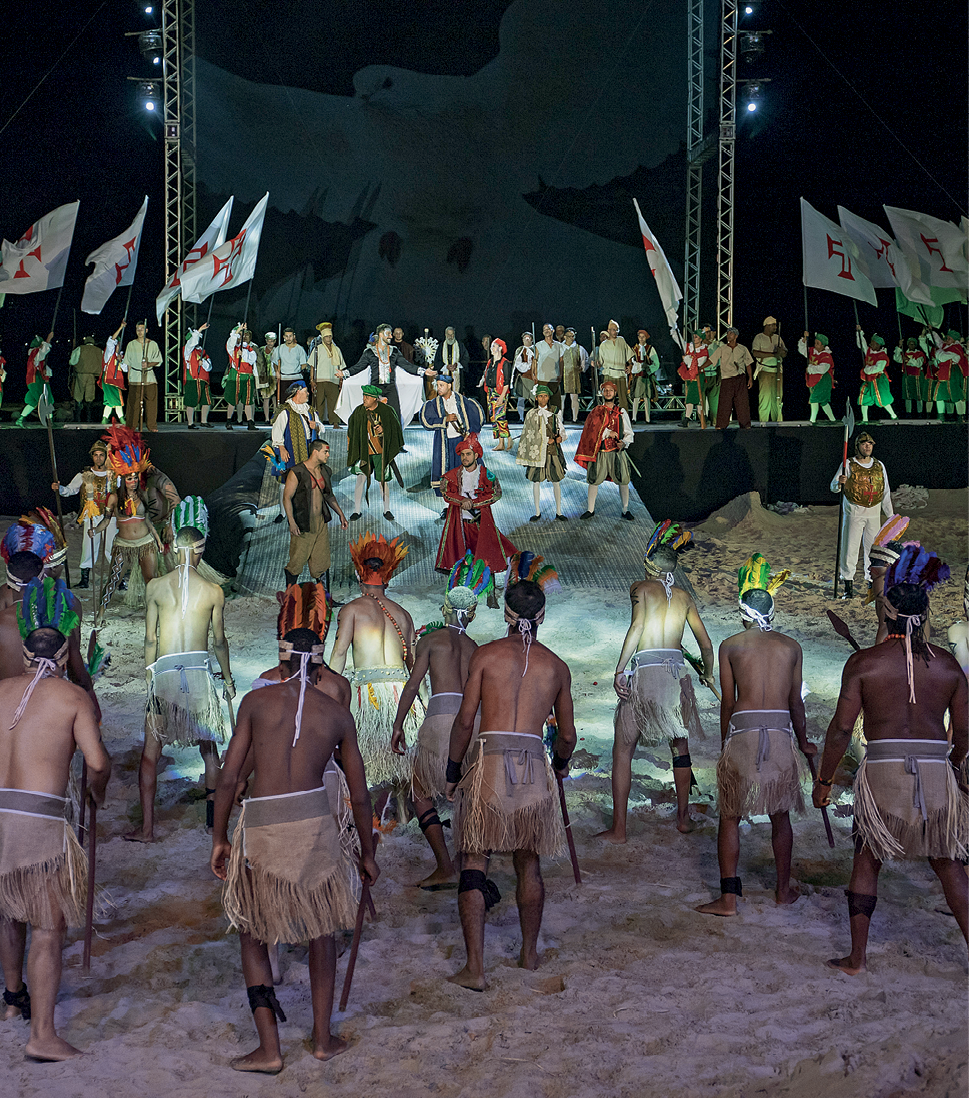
{"points": [[864, 482], [94, 483]]}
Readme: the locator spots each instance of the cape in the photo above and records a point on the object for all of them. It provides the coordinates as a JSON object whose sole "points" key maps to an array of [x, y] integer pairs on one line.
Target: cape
{"points": [[590, 441], [492, 547], [358, 446], [470, 418]]}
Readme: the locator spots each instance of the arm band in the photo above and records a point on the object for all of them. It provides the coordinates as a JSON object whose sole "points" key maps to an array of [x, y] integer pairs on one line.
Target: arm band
{"points": [[559, 764], [452, 775], [821, 781]]}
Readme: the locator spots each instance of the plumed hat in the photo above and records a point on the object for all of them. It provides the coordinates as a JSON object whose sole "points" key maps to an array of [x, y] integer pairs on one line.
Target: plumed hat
{"points": [[304, 606]]}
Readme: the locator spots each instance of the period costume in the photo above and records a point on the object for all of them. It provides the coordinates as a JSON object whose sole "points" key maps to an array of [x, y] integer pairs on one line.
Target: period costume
{"points": [[867, 497], [112, 380], [142, 412], [548, 369], [538, 451], [643, 368], [196, 367], [295, 426], [524, 372], [38, 378], [242, 376], [819, 376], [599, 451], [769, 374], [86, 360], [449, 360], [913, 362], [734, 364], [94, 487], [447, 435], [324, 362], [948, 385], [497, 377], [613, 356], [875, 388], [312, 545], [374, 439], [474, 530], [383, 364]]}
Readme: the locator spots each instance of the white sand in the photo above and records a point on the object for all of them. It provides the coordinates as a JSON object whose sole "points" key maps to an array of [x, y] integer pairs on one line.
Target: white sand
{"points": [[636, 994]]}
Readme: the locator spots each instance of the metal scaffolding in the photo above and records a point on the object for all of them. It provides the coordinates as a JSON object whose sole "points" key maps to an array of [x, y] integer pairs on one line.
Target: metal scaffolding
{"points": [[725, 188], [695, 160], [178, 95]]}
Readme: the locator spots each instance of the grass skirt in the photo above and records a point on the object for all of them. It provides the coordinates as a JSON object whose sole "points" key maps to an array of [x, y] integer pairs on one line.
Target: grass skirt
{"points": [[184, 708], [662, 705], [433, 742], [375, 696], [759, 772]]}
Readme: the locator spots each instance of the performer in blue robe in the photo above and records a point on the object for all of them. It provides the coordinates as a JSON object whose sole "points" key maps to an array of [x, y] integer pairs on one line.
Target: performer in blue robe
{"points": [[451, 417]]}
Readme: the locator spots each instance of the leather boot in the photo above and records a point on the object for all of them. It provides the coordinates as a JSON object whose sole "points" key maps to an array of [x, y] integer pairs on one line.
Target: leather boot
{"points": [[85, 577], [290, 578], [849, 589]]}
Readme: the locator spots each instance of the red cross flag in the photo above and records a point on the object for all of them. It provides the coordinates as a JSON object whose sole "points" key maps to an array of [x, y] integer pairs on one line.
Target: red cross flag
{"points": [[114, 265], [886, 264], [39, 258], [831, 258], [935, 248], [231, 264], [213, 236], [669, 290]]}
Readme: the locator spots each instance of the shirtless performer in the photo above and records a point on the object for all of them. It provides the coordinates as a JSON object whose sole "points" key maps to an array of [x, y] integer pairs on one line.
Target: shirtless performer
{"points": [[444, 653], [382, 635], [656, 700], [518, 683], [184, 708], [288, 881], [909, 802], [43, 871], [761, 714]]}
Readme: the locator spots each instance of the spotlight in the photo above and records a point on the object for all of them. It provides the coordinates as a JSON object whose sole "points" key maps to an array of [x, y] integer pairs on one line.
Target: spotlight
{"points": [[748, 10], [752, 45], [150, 44], [149, 10], [149, 96], [751, 107], [753, 94]]}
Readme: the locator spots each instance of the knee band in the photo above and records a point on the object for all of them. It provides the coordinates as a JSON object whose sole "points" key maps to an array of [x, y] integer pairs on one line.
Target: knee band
{"points": [[262, 995], [682, 762], [730, 886], [473, 879], [860, 904], [429, 819]]}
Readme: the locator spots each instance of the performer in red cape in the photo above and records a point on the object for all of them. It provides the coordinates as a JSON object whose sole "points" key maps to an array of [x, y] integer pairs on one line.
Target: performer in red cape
{"points": [[602, 449], [469, 491]]}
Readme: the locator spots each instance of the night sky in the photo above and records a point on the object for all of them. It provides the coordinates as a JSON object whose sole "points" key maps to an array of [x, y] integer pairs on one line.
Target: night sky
{"points": [[82, 135]]}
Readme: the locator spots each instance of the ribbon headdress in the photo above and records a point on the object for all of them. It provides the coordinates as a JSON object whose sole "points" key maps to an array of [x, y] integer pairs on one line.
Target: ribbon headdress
{"points": [[674, 537], [46, 605], [527, 566], [189, 512], [754, 575], [44, 519]]}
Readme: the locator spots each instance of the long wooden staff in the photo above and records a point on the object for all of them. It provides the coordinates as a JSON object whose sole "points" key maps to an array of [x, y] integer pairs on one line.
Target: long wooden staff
{"points": [[824, 811], [568, 830], [849, 422], [92, 854], [57, 494], [357, 932], [82, 807]]}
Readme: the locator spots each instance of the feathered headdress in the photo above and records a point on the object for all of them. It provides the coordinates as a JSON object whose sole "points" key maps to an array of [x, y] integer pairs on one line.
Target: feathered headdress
{"points": [[46, 520], [670, 534], [472, 573], [527, 566], [46, 604], [191, 511], [886, 546], [917, 565], [368, 547], [26, 537], [304, 606], [754, 575], [127, 452]]}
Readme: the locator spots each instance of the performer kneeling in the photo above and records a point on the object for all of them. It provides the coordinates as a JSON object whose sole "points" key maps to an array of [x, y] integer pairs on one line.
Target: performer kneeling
{"points": [[761, 715], [909, 801], [508, 800], [43, 871], [290, 873]]}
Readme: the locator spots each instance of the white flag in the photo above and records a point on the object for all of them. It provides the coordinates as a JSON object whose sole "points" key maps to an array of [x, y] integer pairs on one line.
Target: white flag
{"points": [[935, 248], [231, 264], [114, 265], [39, 258], [831, 258], [213, 236], [884, 260], [669, 291]]}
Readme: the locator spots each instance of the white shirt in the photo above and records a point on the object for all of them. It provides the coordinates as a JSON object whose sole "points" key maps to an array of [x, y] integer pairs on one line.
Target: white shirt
{"points": [[469, 481], [451, 409], [549, 364], [279, 426], [291, 361]]}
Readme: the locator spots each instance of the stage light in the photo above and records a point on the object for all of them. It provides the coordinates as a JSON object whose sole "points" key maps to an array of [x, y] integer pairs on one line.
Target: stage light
{"points": [[751, 107], [752, 45], [747, 10], [752, 94], [149, 96], [150, 44], [149, 10]]}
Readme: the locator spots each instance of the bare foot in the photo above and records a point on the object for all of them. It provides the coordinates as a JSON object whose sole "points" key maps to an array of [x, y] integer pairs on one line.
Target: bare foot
{"points": [[529, 961], [329, 1047], [138, 836], [438, 880], [467, 979], [50, 1049], [260, 1060], [725, 906], [611, 836], [788, 896], [11, 1012], [685, 826], [847, 966]]}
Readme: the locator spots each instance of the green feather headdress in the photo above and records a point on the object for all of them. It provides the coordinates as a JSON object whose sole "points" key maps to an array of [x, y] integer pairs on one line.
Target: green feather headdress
{"points": [[191, 511], [667, 533], [755, 573], [46, 604]]}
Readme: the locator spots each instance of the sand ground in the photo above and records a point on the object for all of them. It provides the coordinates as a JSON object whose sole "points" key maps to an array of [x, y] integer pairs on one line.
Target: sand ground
{"points": [[636, 993]]}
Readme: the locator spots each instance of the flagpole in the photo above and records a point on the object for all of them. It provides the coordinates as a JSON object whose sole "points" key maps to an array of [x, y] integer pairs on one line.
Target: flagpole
{"points": [[127, 304], [57, 494], [57, 305]]}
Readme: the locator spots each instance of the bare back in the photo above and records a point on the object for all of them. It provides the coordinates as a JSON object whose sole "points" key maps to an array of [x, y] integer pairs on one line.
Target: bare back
{"points": [[11, 644], [659, 623], [761, 670], [36, 753], [449, 653], [164, 621], [8, 596], [329, 682], [269, 717], [875, 681], [373, 637]]}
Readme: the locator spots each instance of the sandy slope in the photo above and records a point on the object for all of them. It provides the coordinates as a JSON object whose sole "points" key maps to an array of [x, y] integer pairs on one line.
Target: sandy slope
{"points": [[637, 995]]}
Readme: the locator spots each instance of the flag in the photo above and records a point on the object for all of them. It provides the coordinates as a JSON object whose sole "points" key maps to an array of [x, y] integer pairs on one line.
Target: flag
{"points": [[39, 258], [114, 265], [231, 264], [884, 260], [213, 236], [931, 313], [831, 258], [669, 292], [935, 248]]}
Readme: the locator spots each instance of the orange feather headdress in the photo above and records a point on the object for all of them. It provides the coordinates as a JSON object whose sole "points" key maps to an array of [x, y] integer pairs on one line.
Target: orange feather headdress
{"points": [[127, 452], [389, 553], [304, 606]]}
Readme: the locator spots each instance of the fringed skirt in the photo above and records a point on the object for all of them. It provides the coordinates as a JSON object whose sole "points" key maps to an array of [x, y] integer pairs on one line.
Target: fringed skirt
{"points": [[908, 803], [375, 696], [43, 870], [508, 800], [759, 772], [661, 706], [291, 877], [433, 742], [184, 708]]}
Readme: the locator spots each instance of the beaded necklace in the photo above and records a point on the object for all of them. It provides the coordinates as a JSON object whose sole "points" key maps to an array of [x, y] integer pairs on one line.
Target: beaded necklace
{"points": [[390, 618]]}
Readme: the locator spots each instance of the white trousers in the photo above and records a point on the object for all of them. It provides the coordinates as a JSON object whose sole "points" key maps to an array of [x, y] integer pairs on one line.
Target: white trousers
{"points": [[860, 525]]}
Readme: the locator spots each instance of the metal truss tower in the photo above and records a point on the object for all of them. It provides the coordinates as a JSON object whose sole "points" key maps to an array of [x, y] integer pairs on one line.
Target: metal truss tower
{"points": [[696, 156], [178, 97], [725, 187]]}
